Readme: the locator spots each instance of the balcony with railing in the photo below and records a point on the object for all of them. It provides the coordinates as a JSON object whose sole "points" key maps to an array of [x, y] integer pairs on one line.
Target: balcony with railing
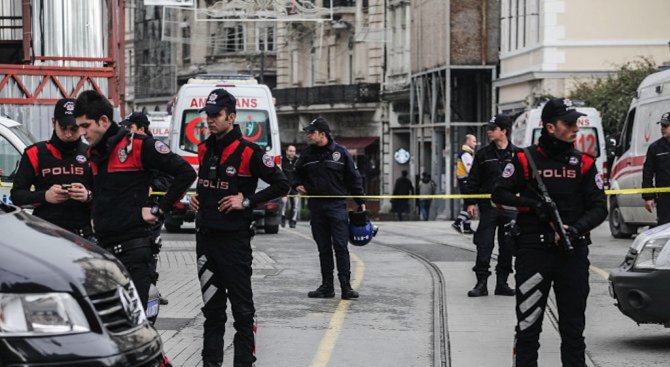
{"points": [[328, 94]]}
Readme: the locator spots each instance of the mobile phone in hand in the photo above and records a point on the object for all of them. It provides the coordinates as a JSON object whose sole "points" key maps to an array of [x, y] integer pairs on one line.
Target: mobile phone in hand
{"points": [[65, 186]]}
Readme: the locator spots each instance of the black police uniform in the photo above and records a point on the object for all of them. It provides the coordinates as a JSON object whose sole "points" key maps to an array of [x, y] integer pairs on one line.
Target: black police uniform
{"points": [[290, 205], [49, 163], [575, 186], [330, 170], [122, 165], [486, 167], [656, 173], [229, 166]]}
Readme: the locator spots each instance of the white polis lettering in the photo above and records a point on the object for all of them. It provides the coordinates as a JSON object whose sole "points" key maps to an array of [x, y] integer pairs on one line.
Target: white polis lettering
{"points": [[213, 184], [563, 173], [57, 171]]}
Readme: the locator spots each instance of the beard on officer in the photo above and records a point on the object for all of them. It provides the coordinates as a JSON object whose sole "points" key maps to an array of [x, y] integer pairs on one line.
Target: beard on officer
{"points": [[230, 167], [543, 260]]}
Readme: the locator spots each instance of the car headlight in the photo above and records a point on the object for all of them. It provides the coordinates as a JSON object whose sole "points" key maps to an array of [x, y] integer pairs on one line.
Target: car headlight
{"points": [[654, 254], [39, 314]]}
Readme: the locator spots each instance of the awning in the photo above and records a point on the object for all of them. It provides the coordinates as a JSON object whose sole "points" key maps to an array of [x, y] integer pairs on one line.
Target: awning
{"points": [[357, 145]]}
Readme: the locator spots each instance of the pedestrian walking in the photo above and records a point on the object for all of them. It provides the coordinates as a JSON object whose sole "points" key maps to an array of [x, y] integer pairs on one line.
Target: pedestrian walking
{"points": [[60, 172], [230, 168], [656, 173], [426, 187], [122, 162], [402, 186], [289, 205], [463, 166], [486, 167], [574, 185], [327, 168]]}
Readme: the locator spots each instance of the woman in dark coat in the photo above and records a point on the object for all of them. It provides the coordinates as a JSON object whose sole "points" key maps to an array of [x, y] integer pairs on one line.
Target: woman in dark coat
{"points": [[403, 186]]}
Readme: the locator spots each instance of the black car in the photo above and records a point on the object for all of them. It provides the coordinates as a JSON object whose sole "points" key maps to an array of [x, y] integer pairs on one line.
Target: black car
{"points": [[66, 302], [641, 284]]}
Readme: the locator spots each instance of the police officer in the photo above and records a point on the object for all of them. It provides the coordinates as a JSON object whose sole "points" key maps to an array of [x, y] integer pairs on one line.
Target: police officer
{"points": [[575, 186], [138, 123], [656, 172], [226, 195], [122, 162], [486, 167], [327, 168], [465, 158], [289, 204], [60, 171]]}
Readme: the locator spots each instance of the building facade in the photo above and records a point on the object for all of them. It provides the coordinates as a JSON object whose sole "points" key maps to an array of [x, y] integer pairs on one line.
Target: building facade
{"points": [[549, 45]]}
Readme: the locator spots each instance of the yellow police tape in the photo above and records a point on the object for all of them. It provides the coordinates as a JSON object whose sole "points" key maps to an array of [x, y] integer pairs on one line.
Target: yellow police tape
{"points": [[652, 190]]}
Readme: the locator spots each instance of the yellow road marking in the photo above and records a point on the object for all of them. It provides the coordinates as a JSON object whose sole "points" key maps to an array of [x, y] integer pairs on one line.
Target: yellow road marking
{"points": [[604, 274], [329, 339]]}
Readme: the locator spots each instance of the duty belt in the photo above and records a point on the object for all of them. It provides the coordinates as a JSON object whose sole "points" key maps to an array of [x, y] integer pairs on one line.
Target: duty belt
{"points": [[542, 239], [119, 247]]}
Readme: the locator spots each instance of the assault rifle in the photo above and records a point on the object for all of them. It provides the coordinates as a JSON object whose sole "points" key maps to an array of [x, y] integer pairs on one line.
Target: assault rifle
{"points": [[555, 216]]}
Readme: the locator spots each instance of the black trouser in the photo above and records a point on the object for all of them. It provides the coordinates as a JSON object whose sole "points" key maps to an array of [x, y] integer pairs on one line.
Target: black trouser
{"points": [[536, 269], [330, 229], [663, 209], [491, 218], [138, 261], [224, 269]]}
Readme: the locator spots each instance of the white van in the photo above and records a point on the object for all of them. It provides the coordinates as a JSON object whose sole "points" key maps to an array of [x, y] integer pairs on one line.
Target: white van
{"points": [[14, 138], [159, 126], [257, 119], [640, 129], [590, 139]]}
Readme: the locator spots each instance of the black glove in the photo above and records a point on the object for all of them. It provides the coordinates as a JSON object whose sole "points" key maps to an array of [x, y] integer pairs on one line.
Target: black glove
{"points": [[573, 234]]}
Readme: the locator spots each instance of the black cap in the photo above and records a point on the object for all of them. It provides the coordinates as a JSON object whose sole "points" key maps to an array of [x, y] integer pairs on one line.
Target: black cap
{"points": [[138, 118], [665, 119], [500, 120], [560, 109], [217, 100], [318, 124], [64, 112]]}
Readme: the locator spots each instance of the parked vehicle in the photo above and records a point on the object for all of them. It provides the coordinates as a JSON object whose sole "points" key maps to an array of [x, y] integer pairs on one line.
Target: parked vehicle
{"points": [[66, 302], [159, 126], [257, 119], [14, 139], [640, 284], [652, 100], [527, 129]]}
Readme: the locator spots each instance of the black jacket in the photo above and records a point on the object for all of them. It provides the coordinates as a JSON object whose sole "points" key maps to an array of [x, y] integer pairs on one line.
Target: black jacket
{"points": [[328, 170], [229, 166], [288, 166], [486, 168], [122, 164], [45, 164], [572, 181], [656, 169]]}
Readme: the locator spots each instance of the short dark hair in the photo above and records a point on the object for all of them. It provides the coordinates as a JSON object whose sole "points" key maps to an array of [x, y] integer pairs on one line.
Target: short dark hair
{"points": [[94, 105]]}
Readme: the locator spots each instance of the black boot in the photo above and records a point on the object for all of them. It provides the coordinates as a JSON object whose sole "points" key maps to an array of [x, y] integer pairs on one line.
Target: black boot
{"points": [[347, 291], [502, 289], [480, 288], [211, 364], [283, 221], [325, 290]]}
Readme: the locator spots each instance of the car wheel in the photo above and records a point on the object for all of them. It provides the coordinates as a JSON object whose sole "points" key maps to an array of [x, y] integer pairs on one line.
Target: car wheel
{"points": [[272, 229], [618, 226]]}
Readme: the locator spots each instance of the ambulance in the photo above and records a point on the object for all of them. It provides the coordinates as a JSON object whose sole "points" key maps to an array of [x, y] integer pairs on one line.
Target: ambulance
{"points": [[640, 129], [159, 126], [527, 129], [14, 138], [257, 119]]}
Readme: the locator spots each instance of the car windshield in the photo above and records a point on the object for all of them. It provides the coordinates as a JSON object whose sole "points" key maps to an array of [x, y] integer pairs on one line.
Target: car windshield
{"points": [[255, 126], [24, 135], [587, 140]]}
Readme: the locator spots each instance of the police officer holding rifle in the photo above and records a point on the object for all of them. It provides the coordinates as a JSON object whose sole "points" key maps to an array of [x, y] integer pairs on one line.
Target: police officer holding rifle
{"points": [[561, 200]]}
